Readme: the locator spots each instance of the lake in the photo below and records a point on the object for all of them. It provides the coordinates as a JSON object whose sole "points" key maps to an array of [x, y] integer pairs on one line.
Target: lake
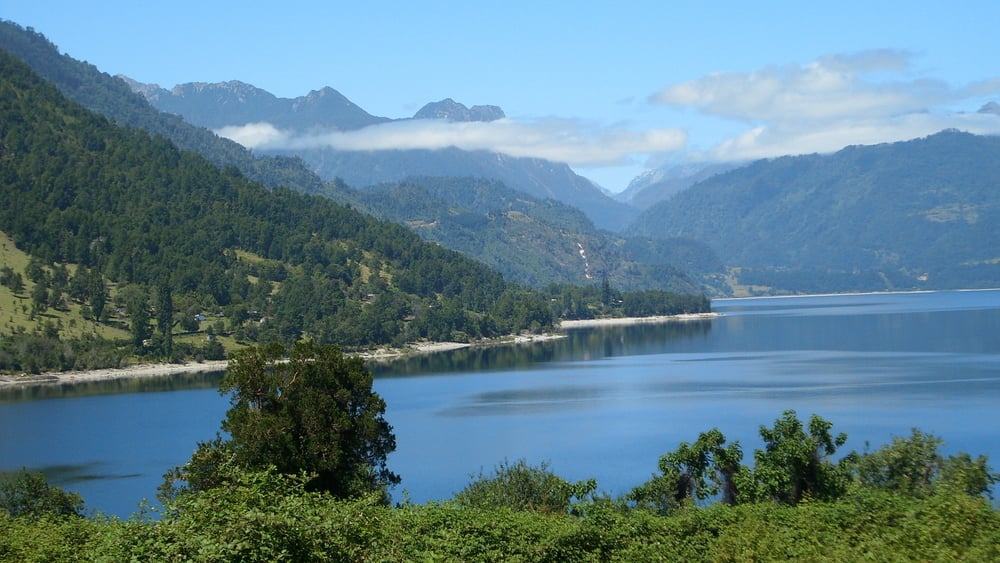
{"points": [[602, 403]]}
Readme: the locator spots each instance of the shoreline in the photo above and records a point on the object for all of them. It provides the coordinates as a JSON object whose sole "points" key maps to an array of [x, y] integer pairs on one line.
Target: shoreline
{"points": [[140, 371], [137, 371], [624, 321], [856, 293]]}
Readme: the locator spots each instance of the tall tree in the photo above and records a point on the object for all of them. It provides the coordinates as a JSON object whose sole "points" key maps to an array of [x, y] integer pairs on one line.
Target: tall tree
{"points": [[313, 411], [165, 318]]}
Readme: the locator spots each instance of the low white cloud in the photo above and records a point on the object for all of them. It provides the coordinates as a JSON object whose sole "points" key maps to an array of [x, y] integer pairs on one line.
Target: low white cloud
{"points": [[829, 103], [560, 140], [253, 135]]}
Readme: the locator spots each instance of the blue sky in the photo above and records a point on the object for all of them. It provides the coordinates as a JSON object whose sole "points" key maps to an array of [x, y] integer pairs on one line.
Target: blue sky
{"points": [[611, 88]]}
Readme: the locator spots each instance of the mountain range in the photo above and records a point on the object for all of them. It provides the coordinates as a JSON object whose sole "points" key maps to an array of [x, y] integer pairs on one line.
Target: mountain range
{"points": [[234, 104]]}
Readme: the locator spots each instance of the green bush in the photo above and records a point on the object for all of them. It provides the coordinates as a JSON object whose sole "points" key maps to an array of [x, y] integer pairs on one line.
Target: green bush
{"points": [[523, 487]]}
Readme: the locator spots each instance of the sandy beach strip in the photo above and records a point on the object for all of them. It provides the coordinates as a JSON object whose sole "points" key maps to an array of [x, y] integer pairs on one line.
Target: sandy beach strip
{"points": [[129, 372], [622, 321], [166, 370]]}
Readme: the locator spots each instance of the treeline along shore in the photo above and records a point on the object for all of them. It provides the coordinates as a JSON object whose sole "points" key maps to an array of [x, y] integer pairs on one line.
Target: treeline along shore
{"points": [[148, 370]]}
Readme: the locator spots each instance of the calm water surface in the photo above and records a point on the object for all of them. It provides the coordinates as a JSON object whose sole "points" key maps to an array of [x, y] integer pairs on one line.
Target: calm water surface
{"points": [[602, 403]]}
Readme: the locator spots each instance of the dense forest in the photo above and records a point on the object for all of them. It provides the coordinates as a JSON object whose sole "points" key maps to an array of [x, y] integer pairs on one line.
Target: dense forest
{"points": [[113, 215]]}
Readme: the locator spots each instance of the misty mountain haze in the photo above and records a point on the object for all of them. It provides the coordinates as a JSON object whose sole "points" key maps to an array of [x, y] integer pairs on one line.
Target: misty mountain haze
{"points": [[451, 110], [658, 184]]}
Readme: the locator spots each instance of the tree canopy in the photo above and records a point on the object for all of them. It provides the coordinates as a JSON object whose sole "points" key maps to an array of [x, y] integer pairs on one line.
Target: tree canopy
{"points": [[312, 411]]}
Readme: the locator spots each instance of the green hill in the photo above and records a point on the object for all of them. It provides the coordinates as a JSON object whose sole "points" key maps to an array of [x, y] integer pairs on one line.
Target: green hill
{"points": [[922, 214]]}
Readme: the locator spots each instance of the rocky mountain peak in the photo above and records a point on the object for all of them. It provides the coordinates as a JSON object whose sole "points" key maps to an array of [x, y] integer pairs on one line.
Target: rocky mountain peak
{"points": [[453, 111]]}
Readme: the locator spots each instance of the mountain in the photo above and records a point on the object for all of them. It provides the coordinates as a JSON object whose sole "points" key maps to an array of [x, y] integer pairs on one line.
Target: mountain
{"points": [[453, 111], [113, 98], [531, 241], [921, 214], [115, 229], [234, 104], [658, 184]]}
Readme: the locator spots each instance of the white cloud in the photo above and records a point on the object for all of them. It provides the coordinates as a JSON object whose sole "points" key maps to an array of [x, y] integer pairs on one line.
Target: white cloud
{"points": [[766, 142], [253, 134], [827, 104], [560, 140]]}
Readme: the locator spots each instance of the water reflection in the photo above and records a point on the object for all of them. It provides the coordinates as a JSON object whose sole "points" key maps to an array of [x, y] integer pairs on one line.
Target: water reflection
{"points": [[175, 382], [578, 345]]}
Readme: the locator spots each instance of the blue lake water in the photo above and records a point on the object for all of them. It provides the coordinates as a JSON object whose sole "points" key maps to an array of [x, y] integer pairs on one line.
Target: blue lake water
{"points": [[602, 403]]}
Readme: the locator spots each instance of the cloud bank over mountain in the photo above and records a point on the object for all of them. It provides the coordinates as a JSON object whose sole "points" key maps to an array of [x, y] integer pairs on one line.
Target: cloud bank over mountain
{"points": [[562, 140], [834, 101]]}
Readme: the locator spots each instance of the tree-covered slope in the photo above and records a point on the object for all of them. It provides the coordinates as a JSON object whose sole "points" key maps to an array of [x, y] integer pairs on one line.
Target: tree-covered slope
{"points": [[917, 214], [112, 97], [531, 241], [136, 211]]}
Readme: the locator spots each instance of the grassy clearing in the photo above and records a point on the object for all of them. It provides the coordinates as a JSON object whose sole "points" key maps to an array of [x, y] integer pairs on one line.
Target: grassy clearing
{"points": [[15, 308]]}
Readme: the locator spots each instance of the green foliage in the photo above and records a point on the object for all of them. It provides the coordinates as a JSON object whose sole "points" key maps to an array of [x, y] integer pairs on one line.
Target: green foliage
{"points": [[524, 513], [693, 472], [913, 467], [519, 486], [261, 515], [311, 412], [795, 463], [267, 516], [29, 495]]}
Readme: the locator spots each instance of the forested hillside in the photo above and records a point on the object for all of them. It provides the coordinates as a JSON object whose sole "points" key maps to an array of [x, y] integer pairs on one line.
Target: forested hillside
{"points": [[530, 241], [919, 214]]}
